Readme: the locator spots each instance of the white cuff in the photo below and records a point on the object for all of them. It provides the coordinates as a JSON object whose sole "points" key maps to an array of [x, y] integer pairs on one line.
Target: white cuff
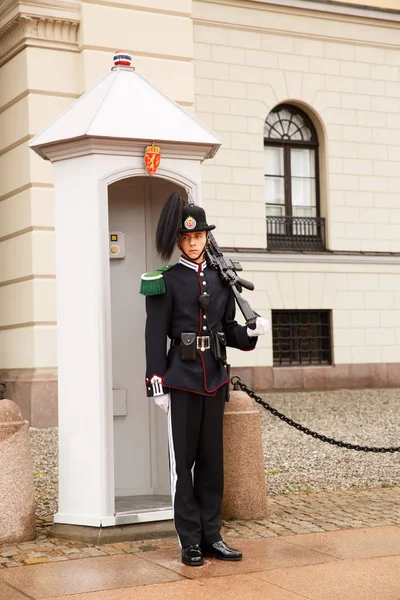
{"points": [[157, 386]]}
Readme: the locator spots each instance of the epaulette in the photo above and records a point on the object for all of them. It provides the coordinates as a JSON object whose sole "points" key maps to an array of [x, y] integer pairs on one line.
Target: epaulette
{"points": [[152, 284]]}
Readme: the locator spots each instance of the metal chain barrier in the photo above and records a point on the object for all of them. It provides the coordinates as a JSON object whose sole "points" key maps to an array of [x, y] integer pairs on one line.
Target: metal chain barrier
{"points": [[237, 383]]}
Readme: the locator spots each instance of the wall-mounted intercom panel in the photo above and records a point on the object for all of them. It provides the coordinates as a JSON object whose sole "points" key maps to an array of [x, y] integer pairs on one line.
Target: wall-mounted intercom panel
{"points": [[117, 244]]}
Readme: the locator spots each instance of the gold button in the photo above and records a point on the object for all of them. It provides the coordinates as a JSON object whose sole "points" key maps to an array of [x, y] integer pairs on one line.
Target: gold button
{"points": [[114, 249]]}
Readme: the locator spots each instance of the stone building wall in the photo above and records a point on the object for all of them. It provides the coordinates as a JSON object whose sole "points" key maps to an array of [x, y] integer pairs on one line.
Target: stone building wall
{"points": [[39, 62], [344, 72], [49, 55]]}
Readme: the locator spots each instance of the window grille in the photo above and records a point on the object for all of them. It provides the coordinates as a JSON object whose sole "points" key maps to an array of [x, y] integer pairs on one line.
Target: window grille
{"points": [[289, 123], [301, 337]]}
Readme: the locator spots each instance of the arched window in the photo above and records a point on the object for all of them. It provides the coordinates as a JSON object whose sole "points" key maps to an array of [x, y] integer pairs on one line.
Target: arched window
{"points": [[291, 181]]}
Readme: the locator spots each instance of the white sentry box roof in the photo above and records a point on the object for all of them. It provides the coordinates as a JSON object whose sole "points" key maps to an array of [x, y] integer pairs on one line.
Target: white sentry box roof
{"points": [[124, 105]]}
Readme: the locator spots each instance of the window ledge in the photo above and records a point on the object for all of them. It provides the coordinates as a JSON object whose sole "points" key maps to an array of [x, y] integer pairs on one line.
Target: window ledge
{"points": [[327, 256]]}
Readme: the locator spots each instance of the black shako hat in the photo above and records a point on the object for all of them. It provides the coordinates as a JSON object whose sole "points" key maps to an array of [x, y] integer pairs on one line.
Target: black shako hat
{"points": [[194, 219], [178, 217]]}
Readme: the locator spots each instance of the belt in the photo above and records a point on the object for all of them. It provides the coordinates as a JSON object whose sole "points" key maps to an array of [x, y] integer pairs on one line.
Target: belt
{"points": [[203, 342]]}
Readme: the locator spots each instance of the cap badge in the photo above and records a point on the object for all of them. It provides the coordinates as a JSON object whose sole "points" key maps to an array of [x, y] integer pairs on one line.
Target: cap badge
{"points": [[190, 223]]}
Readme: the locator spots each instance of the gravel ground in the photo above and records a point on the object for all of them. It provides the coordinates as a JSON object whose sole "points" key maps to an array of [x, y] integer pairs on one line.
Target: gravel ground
{"points": [[294, 462], [45, 469]]}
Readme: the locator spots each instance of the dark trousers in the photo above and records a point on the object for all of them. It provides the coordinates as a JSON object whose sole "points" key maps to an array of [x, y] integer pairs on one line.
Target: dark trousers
{"points": [[195, 428]]}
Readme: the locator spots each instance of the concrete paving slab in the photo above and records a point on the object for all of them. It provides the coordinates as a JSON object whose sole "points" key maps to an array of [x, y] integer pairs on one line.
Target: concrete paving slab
{"points": [[244, 587], [235, 587], [86, 575], [258, 555], [185, 589], [361, 579], [356, 543], [9, 593]]}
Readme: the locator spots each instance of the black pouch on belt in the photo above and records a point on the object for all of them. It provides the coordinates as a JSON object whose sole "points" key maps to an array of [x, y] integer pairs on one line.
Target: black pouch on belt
{"points": [[218, 346], [188, 342]]}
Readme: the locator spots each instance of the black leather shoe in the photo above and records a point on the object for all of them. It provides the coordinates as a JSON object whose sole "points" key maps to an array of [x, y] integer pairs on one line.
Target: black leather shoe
{"points": [[221, 551], [192, 555]]}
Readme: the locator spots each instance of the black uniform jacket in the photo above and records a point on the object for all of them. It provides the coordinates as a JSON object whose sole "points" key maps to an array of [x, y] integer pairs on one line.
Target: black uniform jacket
{"points": [[178, 311]]}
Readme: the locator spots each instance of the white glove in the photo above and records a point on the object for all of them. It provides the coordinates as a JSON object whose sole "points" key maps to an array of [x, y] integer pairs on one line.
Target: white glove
{"points": [[262, 327], [162, 401]]}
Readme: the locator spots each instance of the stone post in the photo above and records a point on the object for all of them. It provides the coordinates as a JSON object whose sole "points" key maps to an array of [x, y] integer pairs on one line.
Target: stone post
{"points": [[245, 495], [17, 495]]}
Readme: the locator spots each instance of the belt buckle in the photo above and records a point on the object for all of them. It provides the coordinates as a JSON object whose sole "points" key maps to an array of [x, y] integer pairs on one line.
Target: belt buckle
{"points": [[203, 342]]}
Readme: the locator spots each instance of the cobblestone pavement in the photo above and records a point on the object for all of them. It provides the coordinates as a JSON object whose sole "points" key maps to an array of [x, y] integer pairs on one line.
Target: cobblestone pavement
{"points": [[288, 515]]}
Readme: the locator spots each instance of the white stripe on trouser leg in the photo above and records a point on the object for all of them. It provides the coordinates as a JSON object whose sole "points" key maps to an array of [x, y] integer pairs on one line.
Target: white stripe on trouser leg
{"points": [[172, 465]]}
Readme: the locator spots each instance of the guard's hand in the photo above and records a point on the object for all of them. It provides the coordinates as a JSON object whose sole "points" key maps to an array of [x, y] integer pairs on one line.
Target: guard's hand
{"points": [[163, 402], [262, 327]]}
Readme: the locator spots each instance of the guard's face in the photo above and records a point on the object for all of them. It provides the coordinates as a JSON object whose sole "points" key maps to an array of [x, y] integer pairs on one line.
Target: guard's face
{"points": [[192, 244]]}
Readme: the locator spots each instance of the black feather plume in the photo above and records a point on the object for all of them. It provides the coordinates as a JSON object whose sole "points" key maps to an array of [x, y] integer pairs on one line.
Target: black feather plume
{"points": [[169, 224]]}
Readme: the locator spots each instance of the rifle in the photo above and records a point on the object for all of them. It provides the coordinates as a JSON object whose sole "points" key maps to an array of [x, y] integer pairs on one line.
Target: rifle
{"points": [[227, 271]]}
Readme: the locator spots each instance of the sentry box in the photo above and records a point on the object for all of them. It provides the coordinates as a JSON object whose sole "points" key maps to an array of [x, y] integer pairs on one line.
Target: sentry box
{"points": [[117, 152]]}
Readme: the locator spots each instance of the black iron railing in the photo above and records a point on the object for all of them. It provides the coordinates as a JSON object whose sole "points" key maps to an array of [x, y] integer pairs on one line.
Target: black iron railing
{"points": [[299, 234]]}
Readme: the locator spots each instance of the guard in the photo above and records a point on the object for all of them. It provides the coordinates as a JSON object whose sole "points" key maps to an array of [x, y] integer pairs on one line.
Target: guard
{"points": [[188, 307]]}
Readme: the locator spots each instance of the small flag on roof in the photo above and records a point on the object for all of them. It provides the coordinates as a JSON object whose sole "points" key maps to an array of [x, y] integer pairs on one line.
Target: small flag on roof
{"points": [[122, 59]]}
